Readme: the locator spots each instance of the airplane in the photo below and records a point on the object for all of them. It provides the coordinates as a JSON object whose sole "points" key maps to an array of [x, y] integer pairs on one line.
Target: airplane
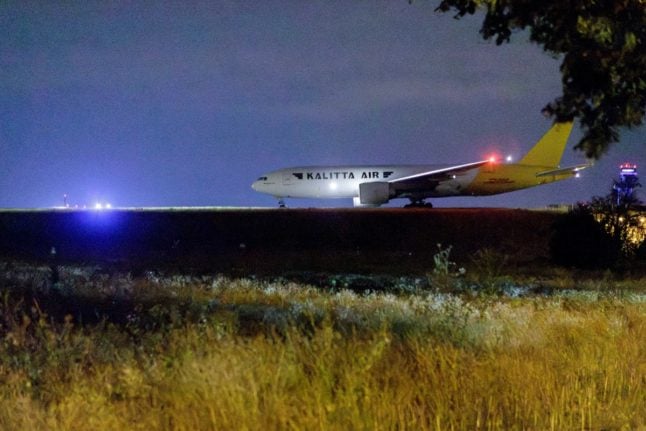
{"points": [[372, 186]]}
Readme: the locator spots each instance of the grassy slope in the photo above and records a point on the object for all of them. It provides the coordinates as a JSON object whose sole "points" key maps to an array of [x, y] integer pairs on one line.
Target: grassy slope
{"points": [[234, 354], [394, 241]]}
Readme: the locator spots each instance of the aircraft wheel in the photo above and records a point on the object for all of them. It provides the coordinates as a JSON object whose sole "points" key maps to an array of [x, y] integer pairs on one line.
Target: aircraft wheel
{"points": [[419, 204]]}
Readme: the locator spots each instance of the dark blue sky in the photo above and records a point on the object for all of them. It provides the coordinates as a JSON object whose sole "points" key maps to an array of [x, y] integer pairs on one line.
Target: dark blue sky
{"points": [[154, 103]]}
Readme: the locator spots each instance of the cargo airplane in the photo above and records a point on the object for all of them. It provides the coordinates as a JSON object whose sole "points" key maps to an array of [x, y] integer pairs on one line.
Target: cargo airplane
{"points": [[371, 186]]}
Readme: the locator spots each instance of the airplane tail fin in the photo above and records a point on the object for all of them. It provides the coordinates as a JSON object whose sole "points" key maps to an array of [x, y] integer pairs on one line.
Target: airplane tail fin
{"points": [[549, 149]]}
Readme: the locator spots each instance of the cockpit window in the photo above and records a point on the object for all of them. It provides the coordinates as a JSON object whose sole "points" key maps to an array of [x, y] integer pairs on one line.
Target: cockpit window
{"points": [[262, 179]]}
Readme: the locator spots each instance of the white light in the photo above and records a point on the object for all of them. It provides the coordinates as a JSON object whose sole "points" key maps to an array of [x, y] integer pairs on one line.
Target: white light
{"points": [[108, 205], [577, 175], [509, 158], [98, 206], [333, 186]]}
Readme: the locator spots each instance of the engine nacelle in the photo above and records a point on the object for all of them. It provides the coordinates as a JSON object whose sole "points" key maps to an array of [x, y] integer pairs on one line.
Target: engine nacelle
{"points": [[376, 193]]}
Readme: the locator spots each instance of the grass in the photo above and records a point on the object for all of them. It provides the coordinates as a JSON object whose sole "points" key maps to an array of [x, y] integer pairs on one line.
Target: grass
{"points": [[108, 351]]}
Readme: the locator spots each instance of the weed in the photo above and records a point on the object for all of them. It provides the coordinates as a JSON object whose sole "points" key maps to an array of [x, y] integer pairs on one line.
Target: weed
{"points": [[443, 276], [442, 265]]}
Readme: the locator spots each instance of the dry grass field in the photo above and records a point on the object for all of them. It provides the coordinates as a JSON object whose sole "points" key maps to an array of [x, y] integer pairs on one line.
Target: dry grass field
{"points": [[114, 351]]}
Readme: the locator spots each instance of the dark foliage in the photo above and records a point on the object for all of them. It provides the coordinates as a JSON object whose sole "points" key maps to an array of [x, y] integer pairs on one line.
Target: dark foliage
{"points": [[578, 240], [640, 254], [602, 45]]}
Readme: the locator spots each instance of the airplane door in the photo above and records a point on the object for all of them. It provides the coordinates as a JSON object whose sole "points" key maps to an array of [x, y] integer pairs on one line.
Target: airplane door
{"points": [[287, 179]]}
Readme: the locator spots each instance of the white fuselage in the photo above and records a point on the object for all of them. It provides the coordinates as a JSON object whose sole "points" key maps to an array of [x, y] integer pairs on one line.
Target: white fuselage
{"points": [[343, 181]]}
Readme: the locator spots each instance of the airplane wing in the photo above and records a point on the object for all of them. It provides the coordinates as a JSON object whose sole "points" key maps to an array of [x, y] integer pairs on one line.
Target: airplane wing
{"points": [[562, 171], [441, 174]]}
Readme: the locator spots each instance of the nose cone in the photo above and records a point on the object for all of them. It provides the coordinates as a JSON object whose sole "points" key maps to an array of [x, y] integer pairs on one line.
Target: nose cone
{"points": [[261, 184]]}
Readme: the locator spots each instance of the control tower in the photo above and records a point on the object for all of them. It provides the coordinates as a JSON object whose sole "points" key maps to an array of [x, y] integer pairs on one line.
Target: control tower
{"points": [[628, 180]]}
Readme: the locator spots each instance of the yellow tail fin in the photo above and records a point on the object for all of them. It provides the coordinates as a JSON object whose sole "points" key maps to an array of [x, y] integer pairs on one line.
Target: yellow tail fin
{"points": [[549, 149]]}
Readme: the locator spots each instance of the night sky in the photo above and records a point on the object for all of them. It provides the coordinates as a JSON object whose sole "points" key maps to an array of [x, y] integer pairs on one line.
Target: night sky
{"points": [[152, 103]]}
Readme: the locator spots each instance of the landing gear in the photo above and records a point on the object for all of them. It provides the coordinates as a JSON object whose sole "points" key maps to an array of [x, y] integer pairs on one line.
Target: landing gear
{"points": [[418, 203], [281, 203]]}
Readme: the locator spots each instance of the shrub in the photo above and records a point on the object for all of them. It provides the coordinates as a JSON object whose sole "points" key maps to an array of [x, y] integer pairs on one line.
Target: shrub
{"points": [[579, 240]]}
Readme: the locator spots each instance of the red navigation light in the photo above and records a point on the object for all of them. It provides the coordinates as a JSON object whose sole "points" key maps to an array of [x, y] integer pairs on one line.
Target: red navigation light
{"points": [[493, 157]]}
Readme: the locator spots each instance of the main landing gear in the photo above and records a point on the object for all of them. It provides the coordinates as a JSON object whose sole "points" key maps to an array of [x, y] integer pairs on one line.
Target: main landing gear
{"points": [[281, 203], [418, 203]]}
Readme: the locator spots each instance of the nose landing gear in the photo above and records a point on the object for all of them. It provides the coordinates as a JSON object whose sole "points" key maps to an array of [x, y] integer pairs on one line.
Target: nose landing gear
{"points": [[418, 203]]}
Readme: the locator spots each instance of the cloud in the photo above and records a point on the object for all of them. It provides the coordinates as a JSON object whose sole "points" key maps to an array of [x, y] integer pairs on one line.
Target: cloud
{"points": [[356, 99]]}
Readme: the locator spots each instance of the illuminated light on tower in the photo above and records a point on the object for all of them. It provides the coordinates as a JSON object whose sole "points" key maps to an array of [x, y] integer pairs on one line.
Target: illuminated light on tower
{"points": [[65, 203]]}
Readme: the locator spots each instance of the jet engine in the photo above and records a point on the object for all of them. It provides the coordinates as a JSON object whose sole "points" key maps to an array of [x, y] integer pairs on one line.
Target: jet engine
{"points": [[375, 193]]}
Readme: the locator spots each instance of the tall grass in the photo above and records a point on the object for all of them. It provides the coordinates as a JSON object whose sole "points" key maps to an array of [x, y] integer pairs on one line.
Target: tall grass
{"points": [[236, 354]]}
